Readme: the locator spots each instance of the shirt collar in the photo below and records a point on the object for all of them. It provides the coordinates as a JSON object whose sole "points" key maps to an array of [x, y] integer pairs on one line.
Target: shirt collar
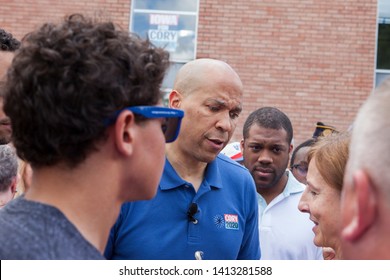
{"points": [[293, 185], [170, 179]]}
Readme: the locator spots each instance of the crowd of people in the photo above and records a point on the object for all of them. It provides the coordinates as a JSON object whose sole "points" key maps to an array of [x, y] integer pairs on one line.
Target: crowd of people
{"points": [[93, 166]]}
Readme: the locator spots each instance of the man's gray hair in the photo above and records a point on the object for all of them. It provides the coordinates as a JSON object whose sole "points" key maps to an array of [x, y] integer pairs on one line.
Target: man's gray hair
{"points": [[370, 141], [8, 166]]}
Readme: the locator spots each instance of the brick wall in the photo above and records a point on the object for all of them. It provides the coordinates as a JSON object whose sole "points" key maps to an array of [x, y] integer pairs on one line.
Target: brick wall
{"points": [[313, 59], [20, 16]]}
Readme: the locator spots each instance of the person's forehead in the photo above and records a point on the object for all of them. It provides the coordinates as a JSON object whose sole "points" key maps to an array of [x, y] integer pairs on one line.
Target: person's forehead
{"points": [[314, 177], [5, 61], [224, 101], [221, 77], [260, 132], [302, 153], [218, 95]]}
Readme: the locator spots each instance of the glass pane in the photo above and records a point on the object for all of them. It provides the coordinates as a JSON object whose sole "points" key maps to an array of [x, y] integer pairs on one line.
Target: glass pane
{"points": [[380, 77], [177, 36], [383, 54], [170, 76], [167, 5], [173, 29], [384, 8]]}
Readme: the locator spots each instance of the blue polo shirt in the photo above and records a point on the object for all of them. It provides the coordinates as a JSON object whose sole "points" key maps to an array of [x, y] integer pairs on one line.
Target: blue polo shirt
{"points": [[227, 218]]}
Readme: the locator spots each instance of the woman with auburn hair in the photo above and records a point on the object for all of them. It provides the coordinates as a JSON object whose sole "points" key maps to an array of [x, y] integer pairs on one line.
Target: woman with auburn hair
{"points": [[322, 197]]}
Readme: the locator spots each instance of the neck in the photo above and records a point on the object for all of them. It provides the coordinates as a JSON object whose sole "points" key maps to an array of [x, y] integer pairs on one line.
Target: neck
{"points": [[338, 252], [270, 193], [339, 255], [85, 198], [188, 168], [6, 196]]}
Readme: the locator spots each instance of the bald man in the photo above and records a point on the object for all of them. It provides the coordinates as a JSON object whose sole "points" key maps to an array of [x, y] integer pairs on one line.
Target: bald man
{"points": [[366, 193], [8, 44], [206, 206]]}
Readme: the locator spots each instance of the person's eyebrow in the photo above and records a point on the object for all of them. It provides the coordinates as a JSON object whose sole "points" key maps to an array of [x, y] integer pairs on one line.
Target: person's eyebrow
{"points": [[222, 103], [309, 184], [238, 109]]}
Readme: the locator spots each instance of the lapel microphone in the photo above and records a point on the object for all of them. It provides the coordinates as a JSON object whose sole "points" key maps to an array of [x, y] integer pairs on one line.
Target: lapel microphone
{"points": [[191, 212]]}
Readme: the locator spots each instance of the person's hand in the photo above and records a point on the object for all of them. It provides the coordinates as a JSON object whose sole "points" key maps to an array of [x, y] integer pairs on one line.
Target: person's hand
{"points": [[328, 253]]}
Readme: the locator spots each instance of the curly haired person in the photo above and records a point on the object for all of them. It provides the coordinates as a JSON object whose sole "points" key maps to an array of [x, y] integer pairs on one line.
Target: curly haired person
{"points": [[83, 97]]}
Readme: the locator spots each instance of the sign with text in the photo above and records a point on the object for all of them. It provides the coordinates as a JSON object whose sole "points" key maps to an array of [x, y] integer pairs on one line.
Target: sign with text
{"points": [[173, 27]]}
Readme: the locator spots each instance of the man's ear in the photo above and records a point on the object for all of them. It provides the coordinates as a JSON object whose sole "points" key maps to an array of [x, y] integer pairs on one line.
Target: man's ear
{"points": [[361, 207], [125, 131], [14, 184], [175, 99], [242, 145], [290, 149]]}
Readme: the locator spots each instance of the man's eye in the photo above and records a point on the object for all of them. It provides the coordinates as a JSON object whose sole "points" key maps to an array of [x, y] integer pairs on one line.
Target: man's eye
{"points": [[234, 115], [164, 126]]}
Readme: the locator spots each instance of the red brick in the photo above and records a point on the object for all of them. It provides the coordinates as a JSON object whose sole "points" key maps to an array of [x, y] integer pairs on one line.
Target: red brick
{"points": [[313, 59]]}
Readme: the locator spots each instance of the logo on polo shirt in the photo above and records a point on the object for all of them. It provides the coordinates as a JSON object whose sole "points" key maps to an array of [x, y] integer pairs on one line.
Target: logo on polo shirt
{"points": [[218, 221], [227, 221], [231, 221]]}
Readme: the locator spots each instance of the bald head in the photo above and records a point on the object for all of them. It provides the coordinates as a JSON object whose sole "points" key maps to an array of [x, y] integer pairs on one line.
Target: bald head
{"points": [[210, 93], [196, 73], [365, 200], [371, 137]]}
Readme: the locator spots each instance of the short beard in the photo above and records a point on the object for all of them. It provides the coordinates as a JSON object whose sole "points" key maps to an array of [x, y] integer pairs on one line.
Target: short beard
{"points": [[4, 141]]}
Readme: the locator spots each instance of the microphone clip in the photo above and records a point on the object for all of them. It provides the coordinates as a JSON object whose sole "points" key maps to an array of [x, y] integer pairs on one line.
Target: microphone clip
{"points": [[192, 210]]}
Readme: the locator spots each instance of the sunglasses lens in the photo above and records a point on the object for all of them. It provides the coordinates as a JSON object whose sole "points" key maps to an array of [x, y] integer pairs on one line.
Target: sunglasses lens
{"points": [[170, 129]]}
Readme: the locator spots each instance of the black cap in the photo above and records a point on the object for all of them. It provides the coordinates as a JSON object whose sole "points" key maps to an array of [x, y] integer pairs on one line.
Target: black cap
{"points": [[323, 130]]}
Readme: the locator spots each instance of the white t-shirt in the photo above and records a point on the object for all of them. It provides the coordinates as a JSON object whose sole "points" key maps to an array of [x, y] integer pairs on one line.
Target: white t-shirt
{"points": [[285, 232]]}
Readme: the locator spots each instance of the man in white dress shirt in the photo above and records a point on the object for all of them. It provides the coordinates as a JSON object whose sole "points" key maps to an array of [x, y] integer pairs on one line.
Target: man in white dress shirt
{"points": [[285, 232]]}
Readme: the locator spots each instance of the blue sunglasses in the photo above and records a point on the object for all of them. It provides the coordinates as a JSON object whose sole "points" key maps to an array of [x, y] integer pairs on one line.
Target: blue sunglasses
{"points": [[170, 127]]}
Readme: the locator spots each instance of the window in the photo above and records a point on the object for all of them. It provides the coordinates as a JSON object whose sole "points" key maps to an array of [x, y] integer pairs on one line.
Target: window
{"points": [[383, 44], [171, 24]]}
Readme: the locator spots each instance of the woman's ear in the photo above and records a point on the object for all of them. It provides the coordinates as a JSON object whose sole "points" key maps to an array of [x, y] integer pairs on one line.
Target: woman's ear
{"points": [[175, 99], [125, 131]]}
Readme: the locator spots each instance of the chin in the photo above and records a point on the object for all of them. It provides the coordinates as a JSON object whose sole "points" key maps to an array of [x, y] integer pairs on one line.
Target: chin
{"points": [[263, 185], [150, 196], [149, 193], [141, 192], [318, 242], [207, 158]]}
